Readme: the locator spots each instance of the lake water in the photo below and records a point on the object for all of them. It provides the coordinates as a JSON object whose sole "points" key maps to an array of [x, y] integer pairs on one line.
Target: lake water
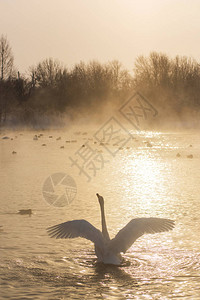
{"points": [[139, 179]]}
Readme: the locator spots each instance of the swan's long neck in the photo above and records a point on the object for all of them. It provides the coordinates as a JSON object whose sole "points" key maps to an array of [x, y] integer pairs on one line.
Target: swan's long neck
{"points": [[103, 222]]}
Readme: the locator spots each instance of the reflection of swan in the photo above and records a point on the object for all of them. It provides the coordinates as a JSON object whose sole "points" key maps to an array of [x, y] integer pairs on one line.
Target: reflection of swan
{"points": [[107, 250], [112, 272]]}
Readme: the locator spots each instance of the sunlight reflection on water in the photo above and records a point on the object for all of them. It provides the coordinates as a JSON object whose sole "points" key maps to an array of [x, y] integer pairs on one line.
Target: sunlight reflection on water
{"points": [[140, 181]]}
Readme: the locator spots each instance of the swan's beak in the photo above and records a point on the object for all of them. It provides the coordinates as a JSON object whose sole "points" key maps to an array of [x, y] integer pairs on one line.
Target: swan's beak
{"points": [[100, 198]]}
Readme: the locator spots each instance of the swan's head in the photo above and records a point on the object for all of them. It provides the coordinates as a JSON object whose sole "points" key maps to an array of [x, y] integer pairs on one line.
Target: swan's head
{"points": [[100, 198]]}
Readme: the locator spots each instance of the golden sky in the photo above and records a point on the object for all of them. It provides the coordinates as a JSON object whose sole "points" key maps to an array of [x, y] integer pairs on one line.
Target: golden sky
{"points": [[74, 30]]}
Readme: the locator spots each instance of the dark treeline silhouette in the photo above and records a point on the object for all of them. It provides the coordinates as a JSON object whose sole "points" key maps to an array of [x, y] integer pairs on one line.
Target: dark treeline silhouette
{"points": [[50, 89], [173, 84]]}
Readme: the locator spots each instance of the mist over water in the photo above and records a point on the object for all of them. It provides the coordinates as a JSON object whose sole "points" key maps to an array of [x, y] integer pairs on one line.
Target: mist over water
{"points": [[52, 95]]}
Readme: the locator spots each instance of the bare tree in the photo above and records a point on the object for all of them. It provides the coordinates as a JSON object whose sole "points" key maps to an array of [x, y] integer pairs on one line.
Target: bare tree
{"points": [[6, 58], [153, 71], [121, 79], [47, 73]]}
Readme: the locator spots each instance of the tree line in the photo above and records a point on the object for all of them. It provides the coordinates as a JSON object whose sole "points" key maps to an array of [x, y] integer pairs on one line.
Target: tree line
{"points": [[49, 88]]}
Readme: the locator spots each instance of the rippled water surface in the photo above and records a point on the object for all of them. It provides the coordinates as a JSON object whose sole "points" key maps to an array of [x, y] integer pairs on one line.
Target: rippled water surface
{"points": [[141, 180]]}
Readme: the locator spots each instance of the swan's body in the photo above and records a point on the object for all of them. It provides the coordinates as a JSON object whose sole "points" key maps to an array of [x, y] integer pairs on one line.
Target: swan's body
{"points": [[108, 250]]}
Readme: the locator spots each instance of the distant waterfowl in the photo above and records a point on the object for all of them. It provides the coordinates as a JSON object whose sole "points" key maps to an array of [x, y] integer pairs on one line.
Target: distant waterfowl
{"points": [[178, 155], [108, 250], [43, 144], [190, 145], [59, 138], [35, 138], [67, 141], [83, 146], [149, 144], [25, 211], [50, 136], [14, 152], [5, 138], [62, 147], [190, 156]]}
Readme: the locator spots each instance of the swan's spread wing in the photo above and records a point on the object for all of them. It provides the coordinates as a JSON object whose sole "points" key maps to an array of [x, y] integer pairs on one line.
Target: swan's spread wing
{"points": [[76, 228], [135, 228]]}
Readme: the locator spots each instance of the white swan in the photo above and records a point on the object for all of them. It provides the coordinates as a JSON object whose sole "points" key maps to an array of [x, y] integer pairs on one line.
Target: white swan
{"points": [[107, 250]]}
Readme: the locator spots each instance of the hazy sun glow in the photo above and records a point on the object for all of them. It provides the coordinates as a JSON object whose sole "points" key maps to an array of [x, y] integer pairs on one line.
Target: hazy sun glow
{"points": [[104, 30]]}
